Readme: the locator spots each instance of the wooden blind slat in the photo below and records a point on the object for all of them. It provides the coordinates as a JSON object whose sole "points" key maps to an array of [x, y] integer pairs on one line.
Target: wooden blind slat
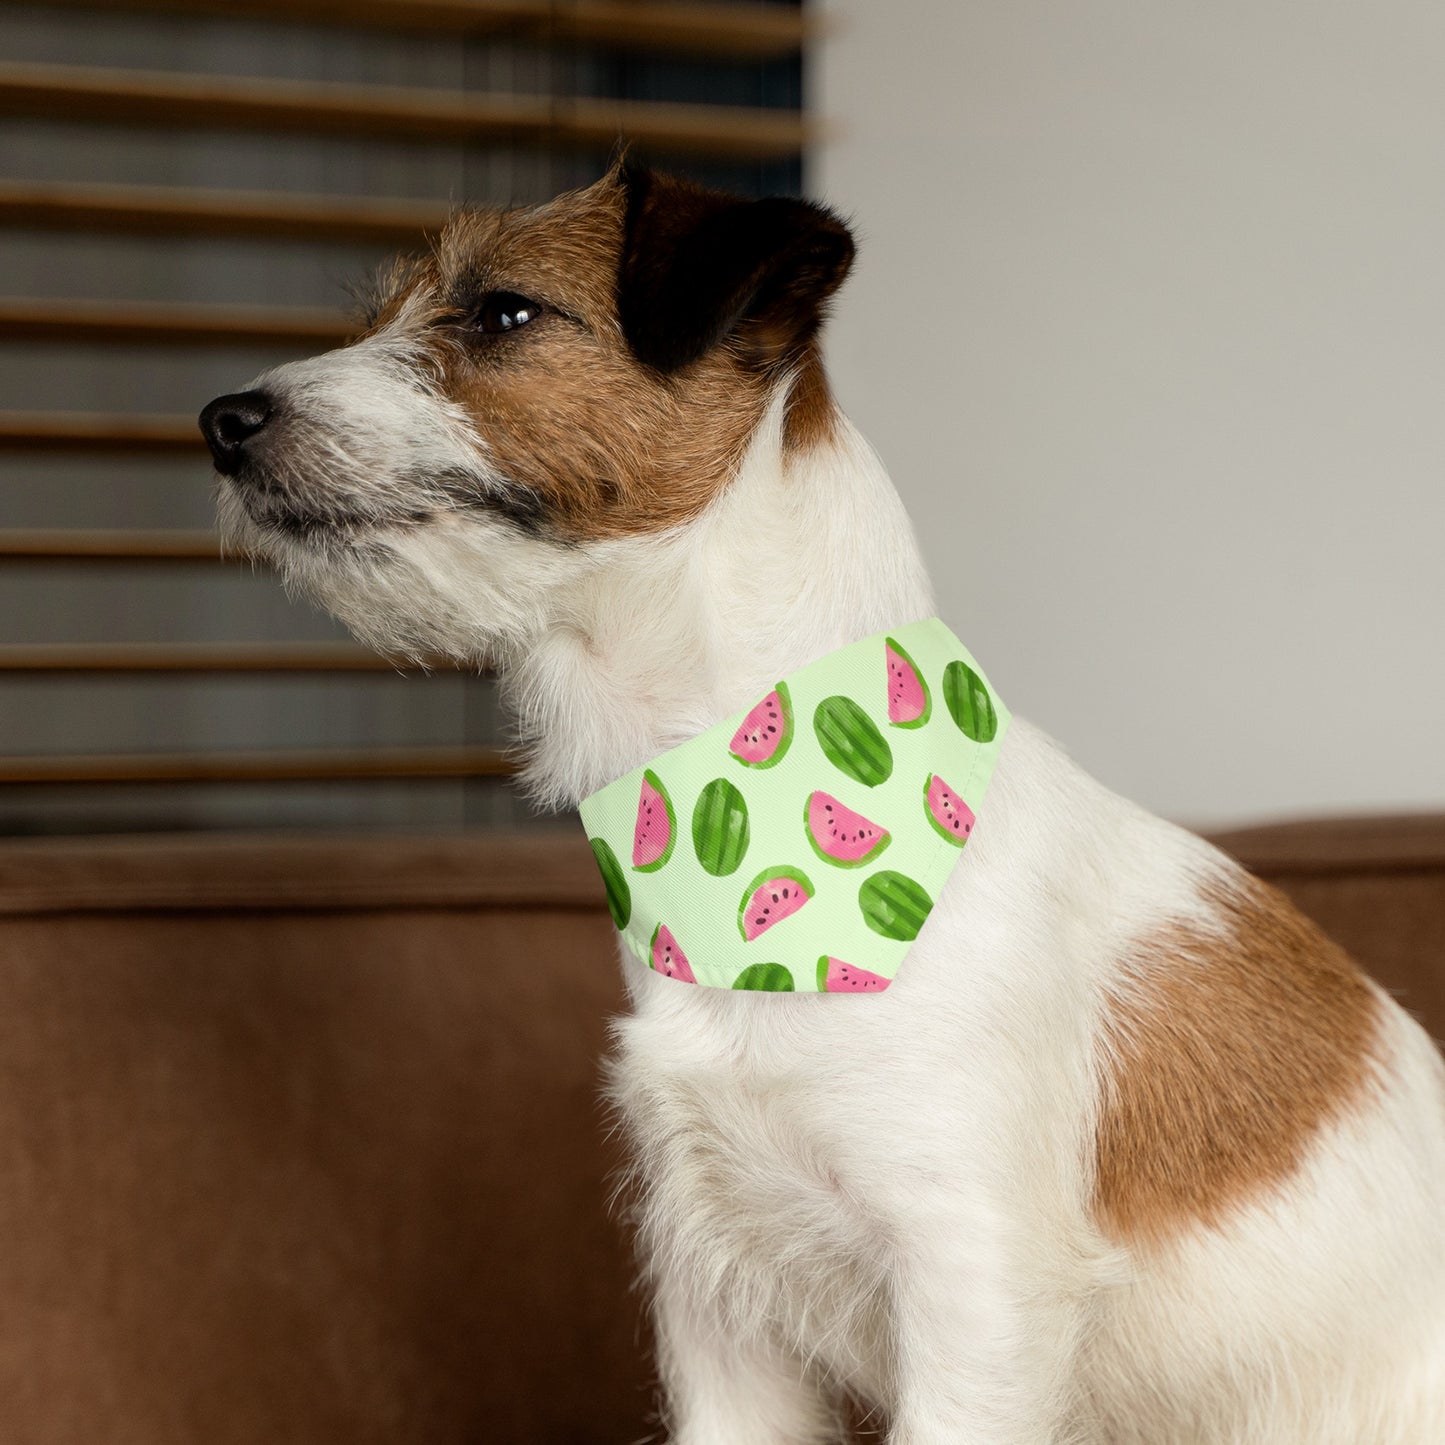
{"points": [[716, 29], [190, 657], [155, 98], [79, 431], [168, 210], [73, 544], [156, 323], [259, 767], [756, 31]]}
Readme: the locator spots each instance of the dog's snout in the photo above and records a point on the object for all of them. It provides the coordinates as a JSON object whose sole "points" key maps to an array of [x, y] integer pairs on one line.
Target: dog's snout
{"points": [[229, 422]]}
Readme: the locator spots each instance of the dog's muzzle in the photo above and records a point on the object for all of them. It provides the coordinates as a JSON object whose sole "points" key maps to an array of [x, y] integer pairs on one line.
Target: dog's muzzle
{"points": [[230, 422]]}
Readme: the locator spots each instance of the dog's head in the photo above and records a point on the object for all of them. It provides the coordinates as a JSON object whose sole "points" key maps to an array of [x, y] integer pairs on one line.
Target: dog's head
{"points": [[571, 376]]}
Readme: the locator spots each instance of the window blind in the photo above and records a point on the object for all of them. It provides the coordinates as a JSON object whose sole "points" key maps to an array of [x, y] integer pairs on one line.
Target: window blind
{"points": [[186, 189]]}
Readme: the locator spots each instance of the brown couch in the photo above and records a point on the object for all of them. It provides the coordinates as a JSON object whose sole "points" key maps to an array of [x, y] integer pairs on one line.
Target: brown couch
{"points": [[300, 1140]]}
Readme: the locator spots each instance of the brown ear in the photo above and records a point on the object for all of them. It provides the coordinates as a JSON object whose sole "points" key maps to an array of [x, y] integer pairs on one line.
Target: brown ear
{"points": [[699, 266]]}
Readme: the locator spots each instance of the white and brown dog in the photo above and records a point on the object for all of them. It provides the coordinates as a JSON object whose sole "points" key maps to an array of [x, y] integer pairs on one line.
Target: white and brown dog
{"points": [[1168, 1170]]}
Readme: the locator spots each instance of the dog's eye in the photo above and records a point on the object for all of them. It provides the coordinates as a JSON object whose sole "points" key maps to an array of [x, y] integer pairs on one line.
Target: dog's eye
{"points": [[504, 311]]}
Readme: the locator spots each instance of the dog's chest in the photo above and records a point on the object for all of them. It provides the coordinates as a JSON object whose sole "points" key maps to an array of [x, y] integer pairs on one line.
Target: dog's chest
{"points": [[751, 1178]]}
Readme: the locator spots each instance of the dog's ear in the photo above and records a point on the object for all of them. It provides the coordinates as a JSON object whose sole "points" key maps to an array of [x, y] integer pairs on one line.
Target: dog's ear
{"points": [[699, 266]]}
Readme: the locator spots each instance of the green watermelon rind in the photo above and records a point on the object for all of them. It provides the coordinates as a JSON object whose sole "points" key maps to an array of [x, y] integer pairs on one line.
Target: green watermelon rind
{"points": [[796, 875], [720, 828], [871, 856], [651, 778], [765, 978], [852, 741], [946, 833], [922, 682], [894, 905], [614, 881], [969, 703], [785, 699]]}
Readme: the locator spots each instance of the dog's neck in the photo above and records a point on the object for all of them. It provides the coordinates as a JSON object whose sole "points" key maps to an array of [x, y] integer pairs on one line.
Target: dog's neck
{"points": [[662, 637]]}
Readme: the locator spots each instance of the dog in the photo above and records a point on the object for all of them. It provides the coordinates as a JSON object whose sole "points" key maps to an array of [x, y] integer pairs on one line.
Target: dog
{"points": [[1129, 1154]]}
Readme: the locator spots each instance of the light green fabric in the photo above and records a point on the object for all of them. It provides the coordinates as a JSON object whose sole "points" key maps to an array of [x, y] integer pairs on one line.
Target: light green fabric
{"points": [[834, 805]]}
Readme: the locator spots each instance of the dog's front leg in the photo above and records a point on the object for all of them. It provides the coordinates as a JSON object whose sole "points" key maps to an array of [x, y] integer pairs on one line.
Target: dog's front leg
{"points": [[724, 1385], [984, 1347]]}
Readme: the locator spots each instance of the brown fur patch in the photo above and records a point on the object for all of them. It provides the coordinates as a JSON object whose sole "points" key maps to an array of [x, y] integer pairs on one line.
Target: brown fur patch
{"points": [[1225, 1055], [812, 415], [597, 443], [607, 446]]}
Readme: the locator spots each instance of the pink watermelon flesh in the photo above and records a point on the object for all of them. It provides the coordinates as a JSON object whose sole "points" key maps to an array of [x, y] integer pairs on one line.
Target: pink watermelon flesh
{"points": [[906, 700], [762, 730], [845, 978], [654, 828], [950, 812], [841, 833], [777, 899], [668, 958]]}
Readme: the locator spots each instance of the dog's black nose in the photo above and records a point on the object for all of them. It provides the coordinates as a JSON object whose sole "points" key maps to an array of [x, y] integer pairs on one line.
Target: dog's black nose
{"points": [[229, 422]]}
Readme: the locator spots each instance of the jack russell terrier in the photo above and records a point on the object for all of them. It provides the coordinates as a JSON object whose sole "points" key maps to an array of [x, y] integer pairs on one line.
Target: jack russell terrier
{"points": [[1127, 1153]]}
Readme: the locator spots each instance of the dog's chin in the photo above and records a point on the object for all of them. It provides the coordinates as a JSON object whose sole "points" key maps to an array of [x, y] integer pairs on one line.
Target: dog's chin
{"points": [[334, 557], [423, 587], [267, 515]]}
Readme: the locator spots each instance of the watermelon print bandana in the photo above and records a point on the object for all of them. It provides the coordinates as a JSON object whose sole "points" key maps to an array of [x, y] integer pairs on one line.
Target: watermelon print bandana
{"points": [[798, 847]]}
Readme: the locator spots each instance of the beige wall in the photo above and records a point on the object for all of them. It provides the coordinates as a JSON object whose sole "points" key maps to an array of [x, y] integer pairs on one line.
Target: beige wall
{"points": [[1149, 324]]}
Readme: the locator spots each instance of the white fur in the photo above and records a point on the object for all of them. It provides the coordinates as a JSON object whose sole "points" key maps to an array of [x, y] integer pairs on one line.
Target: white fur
{"points": [[891, 1196]]}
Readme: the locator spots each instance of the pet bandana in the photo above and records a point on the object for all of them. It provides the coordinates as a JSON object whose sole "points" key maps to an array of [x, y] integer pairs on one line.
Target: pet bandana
{"points": [[798, 847]]}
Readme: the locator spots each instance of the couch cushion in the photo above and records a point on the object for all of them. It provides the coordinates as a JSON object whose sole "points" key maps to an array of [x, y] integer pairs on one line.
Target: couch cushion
{"points": [[301, 1141]]}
